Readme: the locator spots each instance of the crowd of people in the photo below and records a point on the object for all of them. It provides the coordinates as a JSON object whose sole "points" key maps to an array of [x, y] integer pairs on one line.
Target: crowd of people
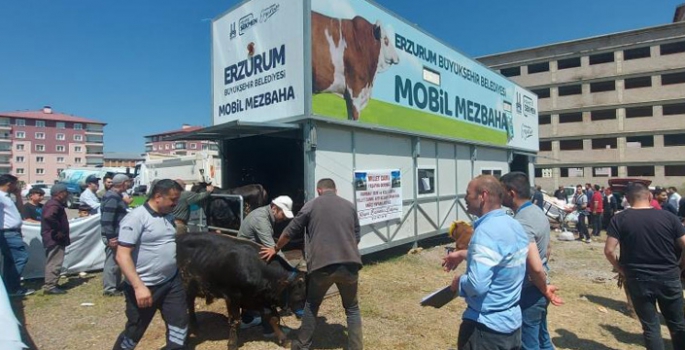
{"points": [[506, 284]]}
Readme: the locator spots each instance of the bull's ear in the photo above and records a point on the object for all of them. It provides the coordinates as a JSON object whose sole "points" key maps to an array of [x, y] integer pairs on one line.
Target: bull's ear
{"points": [[377, 30]]}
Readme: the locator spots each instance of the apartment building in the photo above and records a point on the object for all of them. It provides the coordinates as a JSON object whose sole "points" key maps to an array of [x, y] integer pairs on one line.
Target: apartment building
{"points": [[158, 144], [122, 159], [609, 106], [36, 145]]}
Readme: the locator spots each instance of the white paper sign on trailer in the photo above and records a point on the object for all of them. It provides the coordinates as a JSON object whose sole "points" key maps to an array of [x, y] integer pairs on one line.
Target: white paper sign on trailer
{"points": [[378, 195]]}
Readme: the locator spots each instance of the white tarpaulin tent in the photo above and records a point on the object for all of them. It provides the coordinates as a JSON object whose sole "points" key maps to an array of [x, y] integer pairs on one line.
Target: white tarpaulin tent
{"points": [[85, 253]]}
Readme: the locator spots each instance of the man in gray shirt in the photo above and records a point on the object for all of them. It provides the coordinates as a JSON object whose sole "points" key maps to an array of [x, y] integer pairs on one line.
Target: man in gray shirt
{"points": [[147, 257], [182, 210], [332, 258], [535, 292], [258, 226]]}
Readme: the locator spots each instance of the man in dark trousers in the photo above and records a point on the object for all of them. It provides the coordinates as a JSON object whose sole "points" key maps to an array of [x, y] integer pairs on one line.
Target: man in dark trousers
{"points": [[55, 232], [651, 261], [332, 257], [14, 252], [147, 256], [112, 211]]}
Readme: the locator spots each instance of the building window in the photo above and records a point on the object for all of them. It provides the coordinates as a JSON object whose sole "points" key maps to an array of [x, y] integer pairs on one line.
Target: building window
{"points": [[603, 114], [571, 117], [605, 143], [568, 63], [59, 148], [60, 159], [572, 172], [674, 140], [166, 146], [511, 72], [60, 125], [544, 119], [40, 148], [59, 137], [180, 145], [20, 134], [78, 126], [40, 159], [543, 172], [193, 145], [669, 49], [78, 137], [20, 171], [639, 82], [640, 141], [538, 67], [602, 86], [639, 112], [545, 146], [77, 149], [675, 108], [40, 171], [633, 54], [669, 170], [602, 58], [77, 160], [571, 145], [40, 123], [59, 171], [20, 122], [642, 170], [570, 90], [494, 172], [20, 147], [607, 171], [19, 159], [673, 78], [542, 93], [40, 135]]}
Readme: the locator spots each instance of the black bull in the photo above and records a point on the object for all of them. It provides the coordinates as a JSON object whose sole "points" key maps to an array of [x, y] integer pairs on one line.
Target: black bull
{"points": [[217, 266], [224, 213]]}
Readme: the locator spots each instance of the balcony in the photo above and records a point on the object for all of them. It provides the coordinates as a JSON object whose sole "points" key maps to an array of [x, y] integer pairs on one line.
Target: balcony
{"points": [[94, 140], [5, 148], [5, 124], [94, 154], [94, 129], [5, 161], [94, 161], [5, 137]]}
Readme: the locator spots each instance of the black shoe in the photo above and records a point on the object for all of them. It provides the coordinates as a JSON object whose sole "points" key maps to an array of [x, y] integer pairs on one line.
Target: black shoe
{"points": [[116, 293], [55, 291], [22, 292]]}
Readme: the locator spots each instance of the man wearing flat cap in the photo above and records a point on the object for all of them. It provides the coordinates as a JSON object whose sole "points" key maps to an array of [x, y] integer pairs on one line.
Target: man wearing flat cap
{"points": [[55, 233], [89, 196], [112, 210]]}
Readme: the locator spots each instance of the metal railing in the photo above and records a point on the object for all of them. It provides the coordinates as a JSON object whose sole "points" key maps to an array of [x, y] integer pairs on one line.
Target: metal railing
{"points": [[240, 200]]}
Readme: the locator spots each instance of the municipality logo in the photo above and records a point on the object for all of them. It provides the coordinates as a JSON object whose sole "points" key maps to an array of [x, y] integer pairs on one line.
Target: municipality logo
{"points": [[526, 131], [528, 107], [268, 12], [232, 32], [246, 22]]}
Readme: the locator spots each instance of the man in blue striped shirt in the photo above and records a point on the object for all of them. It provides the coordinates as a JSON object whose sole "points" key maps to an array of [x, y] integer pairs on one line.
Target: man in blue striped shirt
{"points": [[496, 267]]}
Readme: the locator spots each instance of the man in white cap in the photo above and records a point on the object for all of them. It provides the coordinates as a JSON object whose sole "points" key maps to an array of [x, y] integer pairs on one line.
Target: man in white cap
{"points": [[88, 196], [258, 227]]}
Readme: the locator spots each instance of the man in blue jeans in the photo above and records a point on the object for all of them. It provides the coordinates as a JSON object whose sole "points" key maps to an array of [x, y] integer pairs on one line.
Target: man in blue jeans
{"points": [[14, 253], [651, 261], [536, 293], [332, 258]]}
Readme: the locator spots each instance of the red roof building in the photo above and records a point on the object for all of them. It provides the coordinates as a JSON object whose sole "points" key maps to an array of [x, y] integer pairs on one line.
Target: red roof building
{"points": [[157, 143], [37, 145]]}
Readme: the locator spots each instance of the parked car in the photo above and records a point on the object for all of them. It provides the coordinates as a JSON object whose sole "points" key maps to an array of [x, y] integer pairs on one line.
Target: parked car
{"points": [[42, 186]]}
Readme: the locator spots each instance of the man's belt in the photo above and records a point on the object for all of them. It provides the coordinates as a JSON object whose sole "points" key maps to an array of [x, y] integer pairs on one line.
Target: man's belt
{"points": [[16, 229]]}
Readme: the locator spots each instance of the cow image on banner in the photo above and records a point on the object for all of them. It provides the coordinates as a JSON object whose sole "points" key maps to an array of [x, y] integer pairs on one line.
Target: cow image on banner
{"points": [[378, 195], [346, 56]]}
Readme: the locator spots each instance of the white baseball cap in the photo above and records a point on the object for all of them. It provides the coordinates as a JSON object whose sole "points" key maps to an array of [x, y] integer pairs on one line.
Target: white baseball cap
{"points": [[286, 204]]}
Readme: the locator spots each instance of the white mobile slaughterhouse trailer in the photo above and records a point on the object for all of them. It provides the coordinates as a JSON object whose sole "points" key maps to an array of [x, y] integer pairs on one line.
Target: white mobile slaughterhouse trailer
{"points": [[199, 167], [305, 90]]}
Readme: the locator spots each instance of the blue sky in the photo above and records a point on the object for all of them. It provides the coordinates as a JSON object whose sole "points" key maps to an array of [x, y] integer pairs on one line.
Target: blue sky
{"points": [[144, 66]]}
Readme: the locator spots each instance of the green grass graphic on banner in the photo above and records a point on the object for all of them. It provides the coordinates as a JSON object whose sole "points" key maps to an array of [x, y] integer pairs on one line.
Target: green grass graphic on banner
{"points": [[394, 116]]}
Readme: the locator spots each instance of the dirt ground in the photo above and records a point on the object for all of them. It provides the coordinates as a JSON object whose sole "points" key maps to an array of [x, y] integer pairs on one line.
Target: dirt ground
{"points": [[390, 290]]}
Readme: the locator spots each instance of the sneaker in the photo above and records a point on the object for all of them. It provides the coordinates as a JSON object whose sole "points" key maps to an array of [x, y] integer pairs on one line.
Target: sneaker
{"points": [[588, 241], [256, 321], [55, 291], [22, 292], [116, 293]]}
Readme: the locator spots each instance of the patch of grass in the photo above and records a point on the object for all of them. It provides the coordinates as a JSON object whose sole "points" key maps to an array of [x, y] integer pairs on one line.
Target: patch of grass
{"points": [[395, 116]]}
